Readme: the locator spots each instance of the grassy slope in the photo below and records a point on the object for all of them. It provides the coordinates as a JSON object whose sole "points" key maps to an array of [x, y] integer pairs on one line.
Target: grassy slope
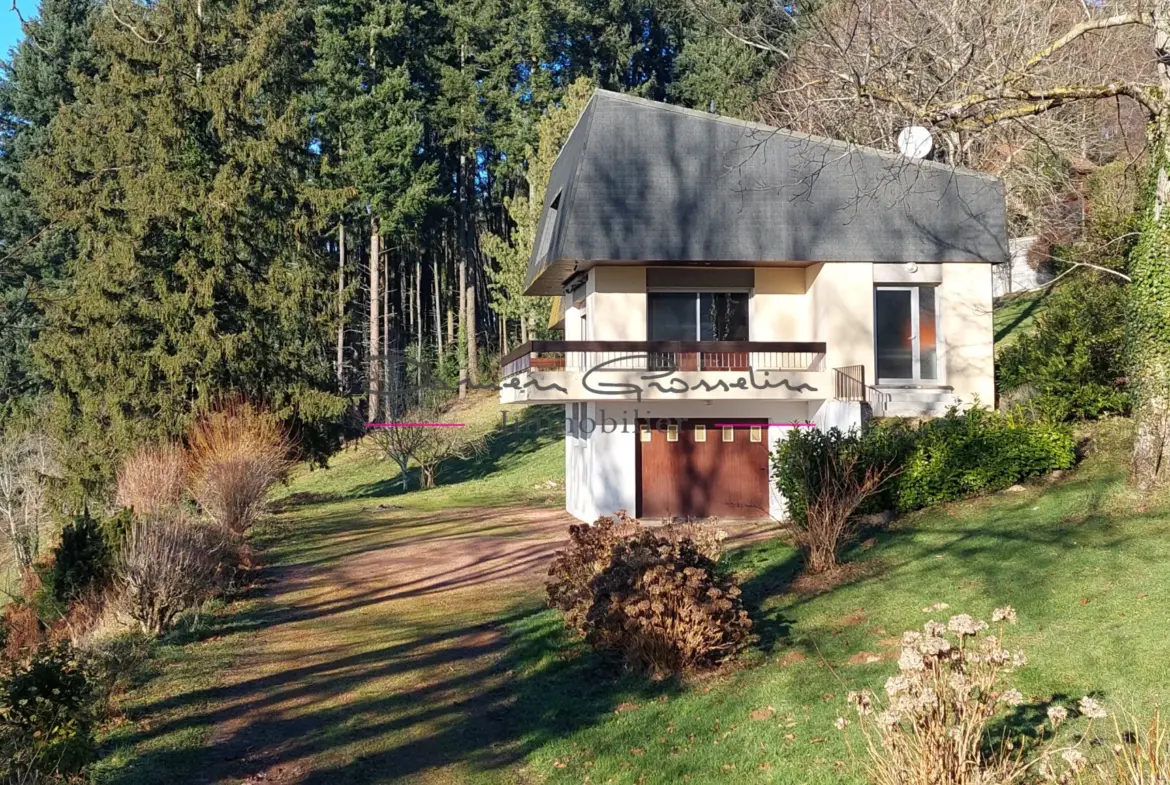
{"points": [[1088, 571], [1087, 567]]}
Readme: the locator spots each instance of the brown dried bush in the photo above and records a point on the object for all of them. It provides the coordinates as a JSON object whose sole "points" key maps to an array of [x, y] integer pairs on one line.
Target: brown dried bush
{"points": [[153, 478], [663, 606], [168, 565], [21, 632], [572, 571], [235, 455]]}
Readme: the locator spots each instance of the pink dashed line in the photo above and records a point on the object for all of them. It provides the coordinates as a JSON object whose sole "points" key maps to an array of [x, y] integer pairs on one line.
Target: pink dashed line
{"points": [[765, 425], [417, 425]]}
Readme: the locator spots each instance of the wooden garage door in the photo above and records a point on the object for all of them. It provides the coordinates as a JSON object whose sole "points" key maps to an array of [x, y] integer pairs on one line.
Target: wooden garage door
{"points": [[696, 469]]}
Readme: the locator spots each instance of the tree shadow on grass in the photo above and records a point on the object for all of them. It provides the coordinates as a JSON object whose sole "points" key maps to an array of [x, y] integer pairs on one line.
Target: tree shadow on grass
{"points": [[519, 435], [482, 696]]}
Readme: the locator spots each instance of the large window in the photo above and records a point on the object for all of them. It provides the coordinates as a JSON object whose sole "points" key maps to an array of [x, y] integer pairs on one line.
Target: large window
{"points": [[697, 316], [906, 334]]}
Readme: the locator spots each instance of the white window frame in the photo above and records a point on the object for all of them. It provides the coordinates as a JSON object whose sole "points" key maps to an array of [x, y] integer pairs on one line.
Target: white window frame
{"points": [[915, 348]]}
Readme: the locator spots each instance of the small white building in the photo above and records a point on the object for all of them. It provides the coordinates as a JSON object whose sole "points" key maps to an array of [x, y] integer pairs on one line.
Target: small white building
{"points": [[1020, 273], [725, 282]]}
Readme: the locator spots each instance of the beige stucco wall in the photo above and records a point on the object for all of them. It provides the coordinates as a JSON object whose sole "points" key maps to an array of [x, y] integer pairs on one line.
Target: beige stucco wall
{"points": [[840, 299], [779, 307], [616, 304], [968, 333]]}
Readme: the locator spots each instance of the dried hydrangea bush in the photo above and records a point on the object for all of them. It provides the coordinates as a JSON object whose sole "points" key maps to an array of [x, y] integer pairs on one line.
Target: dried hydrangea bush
{"points": [[934, 725]]}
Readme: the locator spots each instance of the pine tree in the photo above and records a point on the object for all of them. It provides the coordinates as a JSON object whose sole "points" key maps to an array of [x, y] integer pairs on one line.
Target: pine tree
{"points": [[198, 273], [370, 82], [512, 253], [38, 80]]}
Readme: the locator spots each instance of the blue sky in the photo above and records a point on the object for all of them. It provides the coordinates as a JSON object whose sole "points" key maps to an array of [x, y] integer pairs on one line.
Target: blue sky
{"points": [[10, 24]]}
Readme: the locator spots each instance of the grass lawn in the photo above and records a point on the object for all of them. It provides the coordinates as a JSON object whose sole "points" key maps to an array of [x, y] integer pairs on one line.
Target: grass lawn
{"points": [[1015, 313], [401, 637]]}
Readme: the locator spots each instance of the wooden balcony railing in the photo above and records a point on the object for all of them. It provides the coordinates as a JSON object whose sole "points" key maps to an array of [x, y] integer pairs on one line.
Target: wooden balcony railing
{"points": [[664, 356]]}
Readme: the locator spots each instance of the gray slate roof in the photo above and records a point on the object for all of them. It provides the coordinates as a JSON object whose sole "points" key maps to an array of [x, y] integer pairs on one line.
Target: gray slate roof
{"points": [[645, 182]]}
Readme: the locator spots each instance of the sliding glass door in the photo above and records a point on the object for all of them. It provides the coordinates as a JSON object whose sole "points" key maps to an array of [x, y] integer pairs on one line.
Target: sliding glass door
{"points": [[697, 316], [906, 334]]}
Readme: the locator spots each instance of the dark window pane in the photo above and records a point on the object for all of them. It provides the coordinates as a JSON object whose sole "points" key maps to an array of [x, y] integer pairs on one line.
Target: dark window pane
{"points": [[894, 328], [724, 316], [672, 317]]}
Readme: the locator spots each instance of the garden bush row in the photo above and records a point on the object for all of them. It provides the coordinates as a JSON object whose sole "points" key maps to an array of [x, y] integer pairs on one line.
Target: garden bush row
{"points": [[176, 542], [962, 454], [828, 476]]}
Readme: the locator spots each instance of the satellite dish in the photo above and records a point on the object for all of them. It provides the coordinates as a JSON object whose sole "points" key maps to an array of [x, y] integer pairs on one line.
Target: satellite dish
{"points": [[915, 142]]}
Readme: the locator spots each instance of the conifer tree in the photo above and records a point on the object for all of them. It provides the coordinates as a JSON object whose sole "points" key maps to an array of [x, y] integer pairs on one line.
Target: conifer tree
{"points": [[197, 272], [36, 81], [512, 253]]}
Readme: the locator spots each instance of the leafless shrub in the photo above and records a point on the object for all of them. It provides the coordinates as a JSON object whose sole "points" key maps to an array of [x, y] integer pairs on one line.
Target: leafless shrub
{"points": [[153, 478], [398, 442], [23, 631], [935, 725], [825, 477], [439, 445], [28, 466], [168, 565], [1141, 753], [235, 455]]}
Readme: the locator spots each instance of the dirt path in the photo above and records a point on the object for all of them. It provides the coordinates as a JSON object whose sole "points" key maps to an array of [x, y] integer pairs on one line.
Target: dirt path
{"points": [[381, 652]]}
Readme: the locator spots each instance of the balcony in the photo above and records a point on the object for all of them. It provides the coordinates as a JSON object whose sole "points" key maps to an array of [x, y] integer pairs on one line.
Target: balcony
{"points": [[569, 371]]}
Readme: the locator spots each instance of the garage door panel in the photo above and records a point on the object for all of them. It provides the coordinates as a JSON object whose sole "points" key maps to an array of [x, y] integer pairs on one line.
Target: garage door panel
{"points": [[700, 479]]}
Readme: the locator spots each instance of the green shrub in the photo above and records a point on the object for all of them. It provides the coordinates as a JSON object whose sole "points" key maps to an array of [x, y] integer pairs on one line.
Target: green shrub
{"points": [[661, 604], [81, 561], [1071, 366], [979, 451], [116, 530], [48, 707]]}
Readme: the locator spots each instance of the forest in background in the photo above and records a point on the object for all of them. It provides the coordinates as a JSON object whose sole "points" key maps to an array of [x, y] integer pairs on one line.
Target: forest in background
{"points": [[256, 196], [202, 199]]}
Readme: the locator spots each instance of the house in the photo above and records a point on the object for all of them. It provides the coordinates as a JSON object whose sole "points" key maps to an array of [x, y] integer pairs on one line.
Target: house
{"points": [[724, 282]]}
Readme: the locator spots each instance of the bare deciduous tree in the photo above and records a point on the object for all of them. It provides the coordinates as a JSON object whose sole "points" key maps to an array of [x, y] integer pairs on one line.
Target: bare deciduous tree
{"points": [[417, 436], [28, 465], [991, 78]]}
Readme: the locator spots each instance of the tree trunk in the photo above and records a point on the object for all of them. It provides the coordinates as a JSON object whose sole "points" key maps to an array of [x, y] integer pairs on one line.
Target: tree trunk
{"points": [[389, 404], [341, 305], [1149, 296], [418, 320], [450, 327], [374, 366], [1149, 324], [462, 349], [472, 348], [438, 319]]}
